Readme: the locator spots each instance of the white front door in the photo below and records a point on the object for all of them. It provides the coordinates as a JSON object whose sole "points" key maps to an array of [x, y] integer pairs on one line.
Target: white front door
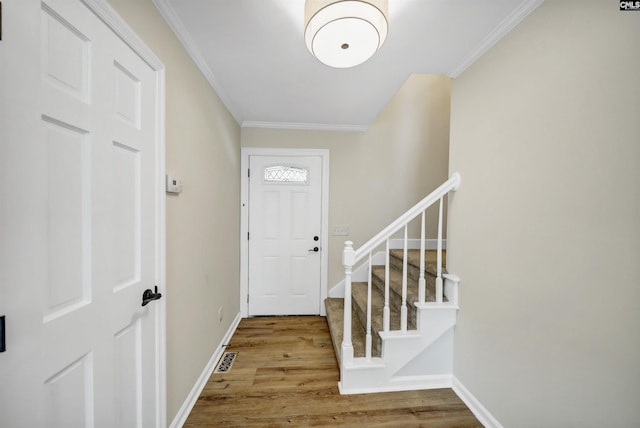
{"points": [[80, 222], [285, 236]]}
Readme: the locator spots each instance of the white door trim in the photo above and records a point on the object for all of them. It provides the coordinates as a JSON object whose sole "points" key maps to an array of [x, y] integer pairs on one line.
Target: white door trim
{"points": [[110, 17], [244, 217]]}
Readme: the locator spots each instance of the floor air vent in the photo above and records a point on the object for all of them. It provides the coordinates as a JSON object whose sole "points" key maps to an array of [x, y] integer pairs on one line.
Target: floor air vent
{"points": [[225, 363]]}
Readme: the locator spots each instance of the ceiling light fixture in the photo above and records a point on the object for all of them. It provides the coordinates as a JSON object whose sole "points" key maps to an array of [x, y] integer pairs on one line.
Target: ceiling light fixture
{"points": [[345, 33]]}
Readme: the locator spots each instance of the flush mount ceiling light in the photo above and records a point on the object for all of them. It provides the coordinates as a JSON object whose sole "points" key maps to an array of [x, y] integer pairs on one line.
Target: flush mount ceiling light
{"points": [[345, 33]]}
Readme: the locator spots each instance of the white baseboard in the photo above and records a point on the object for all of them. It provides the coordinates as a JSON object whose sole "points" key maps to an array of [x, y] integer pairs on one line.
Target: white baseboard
{"points": [[185, 409], [480, 412], [402, 383]]}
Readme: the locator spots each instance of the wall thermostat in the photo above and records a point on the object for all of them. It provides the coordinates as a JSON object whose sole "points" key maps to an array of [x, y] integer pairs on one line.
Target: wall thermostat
{"points": [[174, 184]]}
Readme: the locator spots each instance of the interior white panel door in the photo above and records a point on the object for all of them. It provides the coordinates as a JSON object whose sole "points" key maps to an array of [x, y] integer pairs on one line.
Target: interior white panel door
{"points": [[79, 222], [285, 213]]}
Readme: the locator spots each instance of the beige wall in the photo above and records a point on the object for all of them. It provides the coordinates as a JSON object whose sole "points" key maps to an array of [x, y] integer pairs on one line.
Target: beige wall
{"points": [[405, 148], [203, 149], [545, 229]]}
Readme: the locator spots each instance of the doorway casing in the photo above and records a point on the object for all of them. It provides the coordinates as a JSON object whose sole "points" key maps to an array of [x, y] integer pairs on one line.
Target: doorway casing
{"points": [[246, 152]]}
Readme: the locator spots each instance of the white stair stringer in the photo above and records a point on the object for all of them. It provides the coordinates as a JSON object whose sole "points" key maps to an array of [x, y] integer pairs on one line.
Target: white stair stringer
{"points": [[415, 360]]}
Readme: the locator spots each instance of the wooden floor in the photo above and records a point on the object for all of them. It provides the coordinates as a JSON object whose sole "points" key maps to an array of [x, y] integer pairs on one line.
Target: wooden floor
{"points": [[286, 374]]}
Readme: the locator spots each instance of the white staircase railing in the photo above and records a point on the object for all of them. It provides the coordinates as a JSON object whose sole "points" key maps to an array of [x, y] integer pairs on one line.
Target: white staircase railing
{"points": [[351, 256]]}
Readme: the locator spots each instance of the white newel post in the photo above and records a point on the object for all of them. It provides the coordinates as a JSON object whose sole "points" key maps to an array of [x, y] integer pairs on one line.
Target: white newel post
{"points": [[348, 260]]}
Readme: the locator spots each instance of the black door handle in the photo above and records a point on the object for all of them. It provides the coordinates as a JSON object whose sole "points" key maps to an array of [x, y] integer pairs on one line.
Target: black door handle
{"points": [[149, 296], [314, 249]]}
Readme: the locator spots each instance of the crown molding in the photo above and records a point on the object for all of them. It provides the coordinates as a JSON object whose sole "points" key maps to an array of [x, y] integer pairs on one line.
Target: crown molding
{"points": [[304, 126], [507, 24], [170, 16]]}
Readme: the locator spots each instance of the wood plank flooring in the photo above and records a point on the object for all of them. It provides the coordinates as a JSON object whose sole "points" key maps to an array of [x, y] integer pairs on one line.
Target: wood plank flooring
{"points": [[286, 375]]}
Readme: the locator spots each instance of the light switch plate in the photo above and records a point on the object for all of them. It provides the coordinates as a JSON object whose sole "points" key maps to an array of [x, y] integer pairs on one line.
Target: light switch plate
{"points": [[340, 230]]}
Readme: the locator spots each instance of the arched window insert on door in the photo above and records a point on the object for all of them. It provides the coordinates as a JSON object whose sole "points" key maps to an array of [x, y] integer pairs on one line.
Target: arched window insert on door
{"points": [[285, 174]]}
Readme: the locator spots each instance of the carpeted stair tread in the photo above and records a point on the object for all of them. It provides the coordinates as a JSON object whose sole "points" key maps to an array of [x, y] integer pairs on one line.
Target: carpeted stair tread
{"points": [[395, 294], [413, 259], [395, 284], [335, 319], [359, 293], [359, 301]]}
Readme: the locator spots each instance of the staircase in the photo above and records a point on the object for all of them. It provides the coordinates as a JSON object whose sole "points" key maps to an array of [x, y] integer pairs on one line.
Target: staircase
{"points": [[401, 311], [335, 305]]}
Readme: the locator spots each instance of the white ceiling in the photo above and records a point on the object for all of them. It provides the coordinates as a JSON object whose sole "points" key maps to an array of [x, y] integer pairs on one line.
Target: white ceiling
{"points": [[254, 55]]}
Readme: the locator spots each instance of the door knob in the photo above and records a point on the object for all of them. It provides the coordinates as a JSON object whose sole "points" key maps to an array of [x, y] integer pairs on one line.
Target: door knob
{"points": [[315, 238], [148, 296], [314, 249]]}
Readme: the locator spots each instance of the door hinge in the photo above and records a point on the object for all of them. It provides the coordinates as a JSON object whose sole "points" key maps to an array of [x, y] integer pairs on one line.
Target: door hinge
{"points": [[247, 236], [247, 298], [249, 173]]}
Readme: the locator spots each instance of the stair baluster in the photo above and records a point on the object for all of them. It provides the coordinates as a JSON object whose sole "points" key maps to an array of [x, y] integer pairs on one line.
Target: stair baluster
{"points": [[403, 308], [386, 315], [368, 332], [439, 256], [422, 283]]}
